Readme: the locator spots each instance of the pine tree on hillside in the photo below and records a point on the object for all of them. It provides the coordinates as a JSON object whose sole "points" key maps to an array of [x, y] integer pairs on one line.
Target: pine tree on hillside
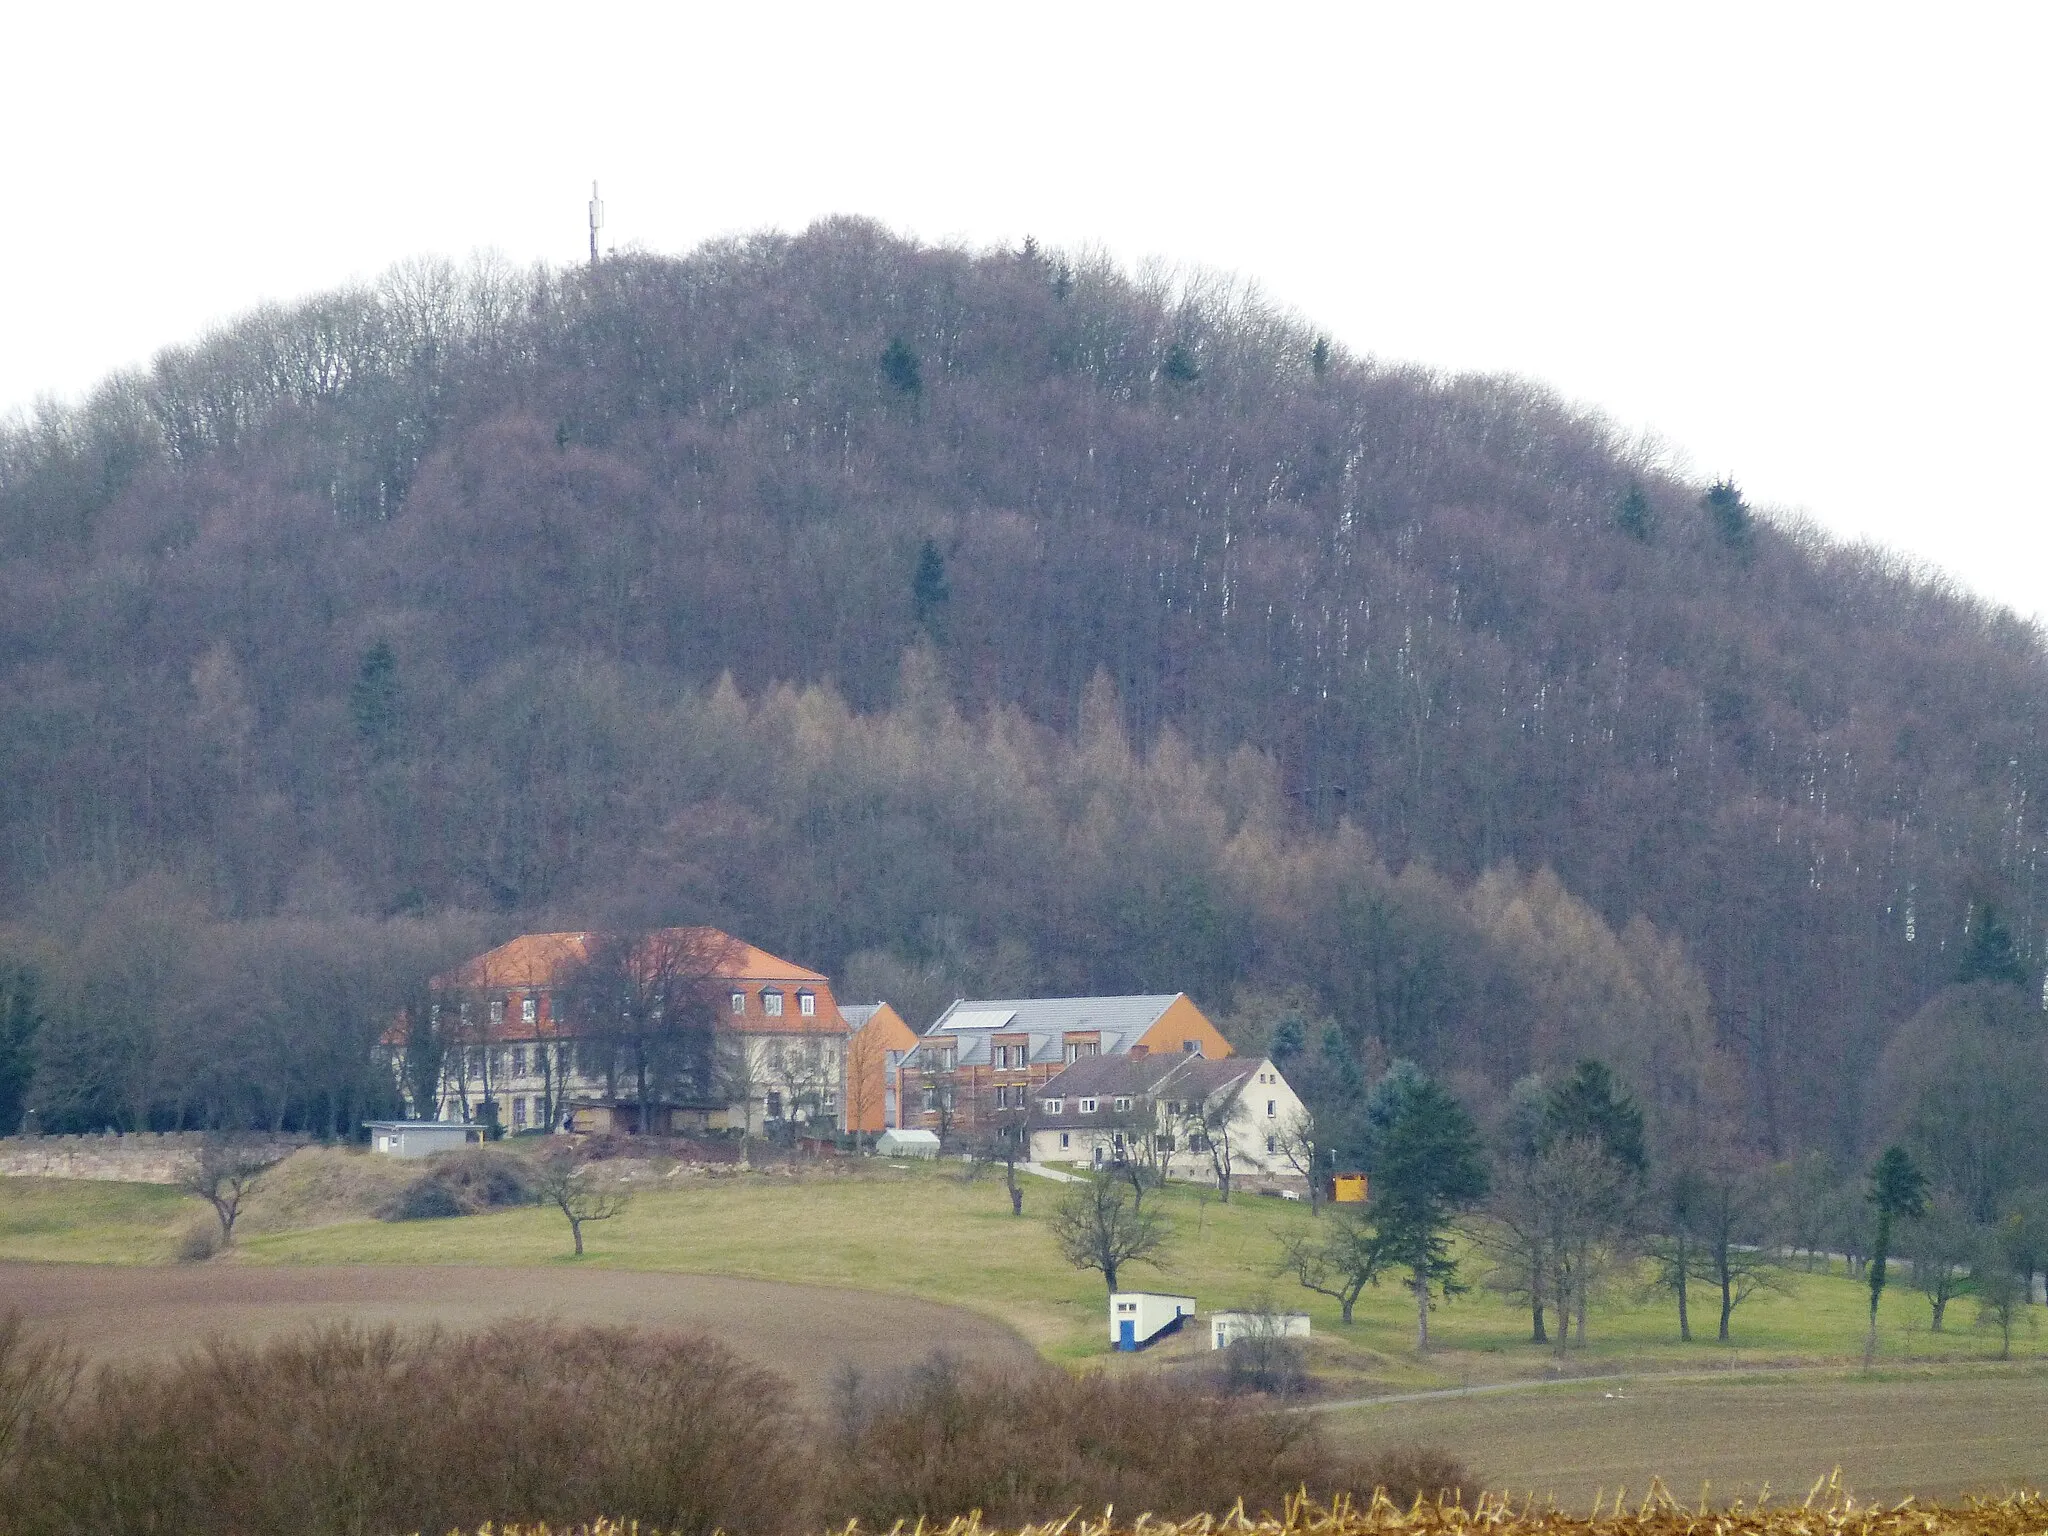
{"points": [[373, 701], [900, 368], [1990, 955], [1634, 516], [929, 592], [1590, 1106], [1734, 524]]}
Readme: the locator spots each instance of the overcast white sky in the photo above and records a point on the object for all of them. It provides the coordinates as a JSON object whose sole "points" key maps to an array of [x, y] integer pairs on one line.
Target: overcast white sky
{"points": [[1801, 244]]}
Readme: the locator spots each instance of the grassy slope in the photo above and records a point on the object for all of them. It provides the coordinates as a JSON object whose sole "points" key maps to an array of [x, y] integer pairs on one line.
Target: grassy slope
{"points": [[88, 1221], [926, 1233]]}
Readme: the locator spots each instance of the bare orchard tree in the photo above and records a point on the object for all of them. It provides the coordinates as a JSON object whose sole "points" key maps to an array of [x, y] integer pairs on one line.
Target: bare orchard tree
{"points": [[740, 1077], [580, 1191], [1207, 1123], [1099, 1226], [800, 1071], [224, 1172], [652, 995], [1001, 1139], [1301, 1144], [1337, 1258]]}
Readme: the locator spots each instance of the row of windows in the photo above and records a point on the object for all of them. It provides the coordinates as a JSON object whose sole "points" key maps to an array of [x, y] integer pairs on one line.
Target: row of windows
{"points": [[1086, 1106], [771, 1002]]}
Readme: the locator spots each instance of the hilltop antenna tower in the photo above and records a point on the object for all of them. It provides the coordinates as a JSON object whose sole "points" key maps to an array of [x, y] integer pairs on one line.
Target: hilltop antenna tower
{"points": [[596, 223]]}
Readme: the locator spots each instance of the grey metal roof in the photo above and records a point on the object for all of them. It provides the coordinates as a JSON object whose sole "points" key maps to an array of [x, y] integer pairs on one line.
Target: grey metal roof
{"points": [[857, 1014], [1047, 1021]]}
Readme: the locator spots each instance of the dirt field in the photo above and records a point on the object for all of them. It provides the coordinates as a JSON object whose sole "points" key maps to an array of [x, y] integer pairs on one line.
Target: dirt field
{"points": [[1932, 1436], [804, 1332]]}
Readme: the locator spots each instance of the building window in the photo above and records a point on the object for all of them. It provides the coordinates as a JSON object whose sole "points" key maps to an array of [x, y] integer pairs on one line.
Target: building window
{"points": [[774, 1104], [1191, 1047], [1121, 1105], [1163, 1143], [1272, 1144], [519, 1061], [1066, 1141], [807, 1003], [529, 1010], [434, 1014], [497, 1010], [931, 1098], [1053, 1107], [739, 1002], [1272, 1109], [771, 1004], [1087, 1106], [1002, 1097], [519, 1112]]}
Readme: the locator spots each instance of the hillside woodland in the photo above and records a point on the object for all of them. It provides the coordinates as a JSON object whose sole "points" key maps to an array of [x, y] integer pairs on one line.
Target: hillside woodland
{"points": [[975, 622]]}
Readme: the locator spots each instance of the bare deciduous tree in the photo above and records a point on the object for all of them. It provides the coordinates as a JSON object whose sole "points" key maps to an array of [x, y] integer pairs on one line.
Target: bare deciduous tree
{"points": [[223, 1173], [580, 1191], [1098, 1226]]}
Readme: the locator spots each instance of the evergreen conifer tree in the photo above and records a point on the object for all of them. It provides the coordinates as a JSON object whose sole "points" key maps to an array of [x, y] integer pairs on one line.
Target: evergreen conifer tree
{"points": [[1634, 516], [901, 368], [1897, 1188], [929, 592], [373, 700], [1990, 954]]}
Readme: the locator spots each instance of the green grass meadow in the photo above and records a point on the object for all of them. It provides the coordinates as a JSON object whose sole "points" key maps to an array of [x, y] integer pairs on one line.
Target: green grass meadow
{"points": [[930, 1233]]}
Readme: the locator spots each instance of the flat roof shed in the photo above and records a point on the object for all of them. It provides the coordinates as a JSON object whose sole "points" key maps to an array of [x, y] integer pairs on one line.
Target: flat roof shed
{"points": [[420, 1138]]}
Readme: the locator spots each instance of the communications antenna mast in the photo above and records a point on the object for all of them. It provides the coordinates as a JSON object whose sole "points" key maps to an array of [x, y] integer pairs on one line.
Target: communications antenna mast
{"points": [[596, 223]]}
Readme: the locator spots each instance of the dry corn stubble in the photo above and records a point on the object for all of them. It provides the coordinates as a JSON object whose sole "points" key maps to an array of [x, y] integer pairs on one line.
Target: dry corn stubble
{"points": [[1828, 1510]]}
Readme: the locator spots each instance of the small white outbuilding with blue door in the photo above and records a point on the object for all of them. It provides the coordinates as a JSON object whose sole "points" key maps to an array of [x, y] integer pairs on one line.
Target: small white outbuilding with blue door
{"points": [[1136, 1318]]}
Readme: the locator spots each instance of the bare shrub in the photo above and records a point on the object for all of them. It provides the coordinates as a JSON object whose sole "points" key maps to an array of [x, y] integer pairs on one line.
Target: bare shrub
{"points": [[463, 1183], [945, 1439], [36, 1380], [350, 1430], [199, 1241], [1410, 1472]]}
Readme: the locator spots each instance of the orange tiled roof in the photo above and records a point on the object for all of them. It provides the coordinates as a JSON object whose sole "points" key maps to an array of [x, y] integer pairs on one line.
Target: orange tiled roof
{"points": [[538, 959]]}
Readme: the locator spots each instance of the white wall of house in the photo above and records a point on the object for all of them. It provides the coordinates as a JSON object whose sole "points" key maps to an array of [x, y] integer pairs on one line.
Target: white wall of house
{"points": [[1266, 1107]]}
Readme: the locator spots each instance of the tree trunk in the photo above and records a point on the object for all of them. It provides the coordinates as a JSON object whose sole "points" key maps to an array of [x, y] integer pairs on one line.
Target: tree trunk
{"points": [[1940, 1307], [1727, 1301], [1347, 1302], [1536, 1333], [576, 1231], [1016, 1197], [1684, 1316], [1421, 1309]]}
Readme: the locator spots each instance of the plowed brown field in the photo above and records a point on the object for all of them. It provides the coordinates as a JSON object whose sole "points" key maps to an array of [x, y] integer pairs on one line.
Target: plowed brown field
{"points": [[804, 1332]]}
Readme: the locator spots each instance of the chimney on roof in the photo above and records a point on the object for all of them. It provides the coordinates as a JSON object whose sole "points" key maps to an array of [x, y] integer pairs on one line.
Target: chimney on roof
{"points": [[1140, 1050]]}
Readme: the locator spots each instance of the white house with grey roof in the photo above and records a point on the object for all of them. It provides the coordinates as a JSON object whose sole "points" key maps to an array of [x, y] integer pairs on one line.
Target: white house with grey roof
{"points": [[1191, 1118], [982, 1061]]}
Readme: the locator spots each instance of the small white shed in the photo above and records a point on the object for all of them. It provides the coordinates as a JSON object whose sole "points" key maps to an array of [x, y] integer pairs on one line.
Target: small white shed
{"points": [[1226, 1328], [893, 1143], [1136, 1318], [419, 1138]]}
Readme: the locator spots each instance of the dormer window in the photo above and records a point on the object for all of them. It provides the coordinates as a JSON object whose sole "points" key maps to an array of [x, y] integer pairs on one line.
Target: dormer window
{"points": [[739, 1002], [771, 1003], [807, 1003], [1054, 1106], [529, 1011], [1087, 1106], [497, 1010], [1122, 1104]]}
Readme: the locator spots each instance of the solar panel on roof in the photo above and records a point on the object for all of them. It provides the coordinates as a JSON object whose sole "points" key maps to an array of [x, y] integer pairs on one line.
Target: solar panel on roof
{"points": [[985, 1019]]}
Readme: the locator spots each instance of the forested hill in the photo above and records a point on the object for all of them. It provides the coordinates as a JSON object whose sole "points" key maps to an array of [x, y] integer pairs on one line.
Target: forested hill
{"points": [[1077, 632]]}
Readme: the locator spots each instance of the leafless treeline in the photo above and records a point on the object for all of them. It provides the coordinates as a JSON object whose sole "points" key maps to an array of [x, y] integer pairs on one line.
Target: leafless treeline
{"points": [[417, 597]]}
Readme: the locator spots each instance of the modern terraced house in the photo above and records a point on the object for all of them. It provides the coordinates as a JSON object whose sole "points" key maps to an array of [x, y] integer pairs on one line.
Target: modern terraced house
{"points": [[982, 1062]]}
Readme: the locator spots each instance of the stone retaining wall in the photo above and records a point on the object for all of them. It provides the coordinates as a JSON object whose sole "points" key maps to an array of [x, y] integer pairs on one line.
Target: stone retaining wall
{"points": [[138, 1157]]}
